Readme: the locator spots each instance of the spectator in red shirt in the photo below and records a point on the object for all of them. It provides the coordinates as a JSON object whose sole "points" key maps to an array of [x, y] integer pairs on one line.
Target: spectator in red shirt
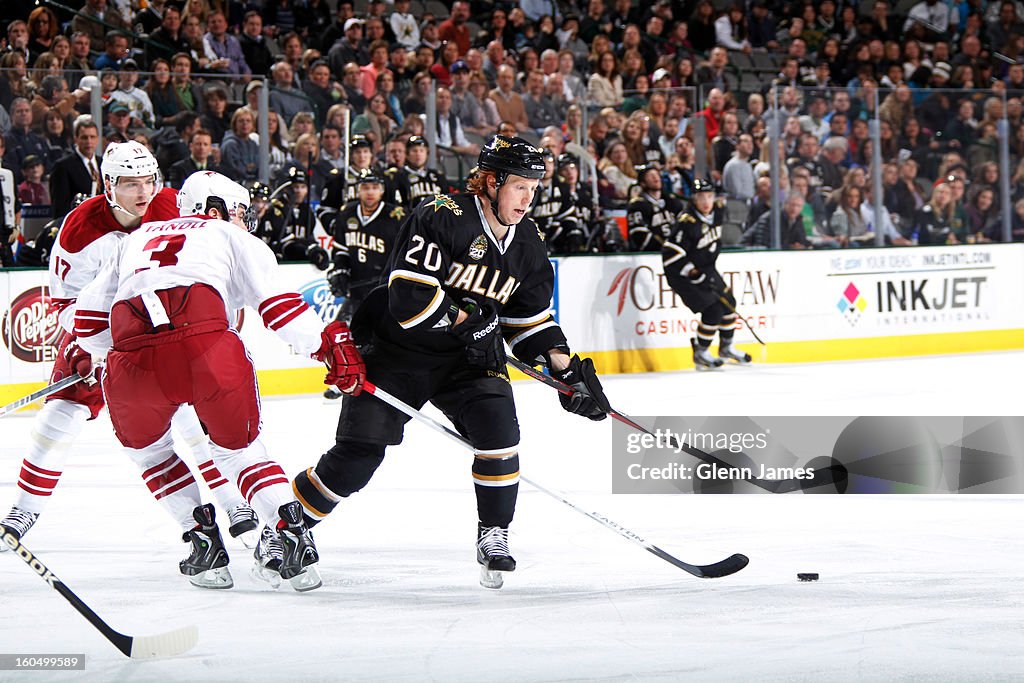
{"points": [[453, 29]]}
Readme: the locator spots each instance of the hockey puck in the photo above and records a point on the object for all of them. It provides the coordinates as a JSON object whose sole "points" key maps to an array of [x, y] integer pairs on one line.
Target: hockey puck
{"points": [[808, 576]]}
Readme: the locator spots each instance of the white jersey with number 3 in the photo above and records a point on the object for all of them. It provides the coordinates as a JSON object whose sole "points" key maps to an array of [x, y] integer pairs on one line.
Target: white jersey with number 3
{"points": [[191, 250]]}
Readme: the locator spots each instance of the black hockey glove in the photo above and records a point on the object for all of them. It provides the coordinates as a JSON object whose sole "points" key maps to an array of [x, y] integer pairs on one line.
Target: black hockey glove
{"points": [[588, 397], [338, 280], [481, 333], [318, 256]]}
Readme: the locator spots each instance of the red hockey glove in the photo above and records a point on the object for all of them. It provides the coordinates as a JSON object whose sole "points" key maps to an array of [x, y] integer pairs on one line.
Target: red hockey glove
{"points": [[345, 367], [80, 361]]}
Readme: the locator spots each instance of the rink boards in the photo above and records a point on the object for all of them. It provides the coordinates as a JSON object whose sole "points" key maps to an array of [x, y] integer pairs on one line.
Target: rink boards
{"points": [[806, 306]]}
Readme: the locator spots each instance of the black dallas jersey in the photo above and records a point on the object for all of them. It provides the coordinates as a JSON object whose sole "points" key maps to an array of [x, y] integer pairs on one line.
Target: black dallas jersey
{"points": [[408, 186], [650, 221], [445, 253], [693, 242], [363, 245]]}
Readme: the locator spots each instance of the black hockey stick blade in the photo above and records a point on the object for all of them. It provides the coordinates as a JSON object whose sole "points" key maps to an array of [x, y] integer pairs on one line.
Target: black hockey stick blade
{"points": [[822, 476], [168, 644], [729, 565]]}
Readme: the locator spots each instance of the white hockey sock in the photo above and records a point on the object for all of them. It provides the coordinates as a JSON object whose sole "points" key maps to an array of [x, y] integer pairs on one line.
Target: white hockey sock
{"points": [[186, 423], [168, 479], [56, 426], [260, 479]]}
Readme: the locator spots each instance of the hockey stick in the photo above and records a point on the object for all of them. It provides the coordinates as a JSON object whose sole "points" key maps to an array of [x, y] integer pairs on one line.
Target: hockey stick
{"points": [[729, 565], [732, 309], [821, 476], [42, 393], [168, 644]]}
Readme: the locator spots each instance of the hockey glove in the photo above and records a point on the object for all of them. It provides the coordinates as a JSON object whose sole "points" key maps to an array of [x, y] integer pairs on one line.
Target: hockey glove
{"points": [[80, 361], [481, 333], [345, 367], [338, 280], [587, 398], [318, 256]]}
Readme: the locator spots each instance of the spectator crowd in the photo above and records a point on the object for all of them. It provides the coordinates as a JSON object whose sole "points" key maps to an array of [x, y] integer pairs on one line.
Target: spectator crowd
{"points": [[611, 88]]}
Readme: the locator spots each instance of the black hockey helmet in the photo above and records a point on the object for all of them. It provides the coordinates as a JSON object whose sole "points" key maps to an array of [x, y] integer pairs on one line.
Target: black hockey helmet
{"points": [[547, 153], [259, 190], [643, 169], [358, 141], [369, 175], [297, 175], [511, 156], [416, 141], [702, 185], [568, 160]]}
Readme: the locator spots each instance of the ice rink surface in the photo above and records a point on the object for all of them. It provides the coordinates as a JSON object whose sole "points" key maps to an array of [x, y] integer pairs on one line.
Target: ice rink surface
{"points": [[913, 588]]}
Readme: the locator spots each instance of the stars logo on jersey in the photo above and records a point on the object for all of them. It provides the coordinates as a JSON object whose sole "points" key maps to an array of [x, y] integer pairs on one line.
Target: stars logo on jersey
{"points": [[352, 224], [397, 213], [444, 201], [478, 248]]}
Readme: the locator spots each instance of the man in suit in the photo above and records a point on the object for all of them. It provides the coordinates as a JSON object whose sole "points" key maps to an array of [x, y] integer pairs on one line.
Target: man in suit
{"points": [[78, 171], [200, 147]]}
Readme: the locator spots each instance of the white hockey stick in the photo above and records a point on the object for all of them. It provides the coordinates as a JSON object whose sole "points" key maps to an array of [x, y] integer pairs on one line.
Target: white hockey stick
{"points": [[42, 393], [729, 565], [168, 644]]}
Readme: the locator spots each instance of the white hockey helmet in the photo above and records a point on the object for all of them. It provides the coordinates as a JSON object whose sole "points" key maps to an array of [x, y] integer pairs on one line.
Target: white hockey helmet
{"points": [[127, 160], [204, 190]]}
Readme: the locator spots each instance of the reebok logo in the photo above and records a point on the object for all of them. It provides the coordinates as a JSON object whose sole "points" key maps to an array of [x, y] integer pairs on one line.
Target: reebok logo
{"points": [[480, 334], [12, 542]]}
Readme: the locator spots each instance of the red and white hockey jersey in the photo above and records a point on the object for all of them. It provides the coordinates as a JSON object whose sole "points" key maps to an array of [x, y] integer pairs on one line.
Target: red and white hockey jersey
{"points": [[87, 241], [186, 251]]}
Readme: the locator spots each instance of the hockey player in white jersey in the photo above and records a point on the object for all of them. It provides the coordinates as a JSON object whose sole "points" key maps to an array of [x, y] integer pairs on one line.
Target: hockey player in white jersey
{"points": [[88, 238], [160, 309]]}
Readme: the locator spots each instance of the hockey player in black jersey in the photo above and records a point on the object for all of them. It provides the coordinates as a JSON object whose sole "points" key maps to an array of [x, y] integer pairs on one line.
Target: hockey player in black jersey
{"points": [[409, 185], [688, 255], [555, 213], [340, 186], [468, 272], [290, 226], [650, 215], [364, 232]]}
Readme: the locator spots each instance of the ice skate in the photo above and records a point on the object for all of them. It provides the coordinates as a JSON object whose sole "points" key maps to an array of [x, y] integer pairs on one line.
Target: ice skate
{"points": [[207, 566], [493, 555], [730, 352], [268, 555], [299, 555], [702, 357], [244, 525], [17, 522]]}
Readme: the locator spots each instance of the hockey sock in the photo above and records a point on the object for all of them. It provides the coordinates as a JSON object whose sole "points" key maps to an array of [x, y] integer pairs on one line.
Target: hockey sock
{"points": [[56, 427], [497, 486], [727, 329], [705, 334], [186, 423], [261, 481], [169, 479], [316, 499]]}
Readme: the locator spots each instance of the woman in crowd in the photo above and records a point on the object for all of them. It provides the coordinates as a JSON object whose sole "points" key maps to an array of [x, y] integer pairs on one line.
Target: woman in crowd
{"points": [[374, 123], [43, 28], [604, 88], [619, 173], [386, 87], [167, 105], [847, 224], [416, 102], [302, 123], [983, 217], [56, 135], [933, 223]]}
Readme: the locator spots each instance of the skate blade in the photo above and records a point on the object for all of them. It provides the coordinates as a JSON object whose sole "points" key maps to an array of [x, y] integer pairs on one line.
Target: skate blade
{"points": [[266, 575], [215, 579], [249, 538], [491, 578], [308, 580], [700, 367]]}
